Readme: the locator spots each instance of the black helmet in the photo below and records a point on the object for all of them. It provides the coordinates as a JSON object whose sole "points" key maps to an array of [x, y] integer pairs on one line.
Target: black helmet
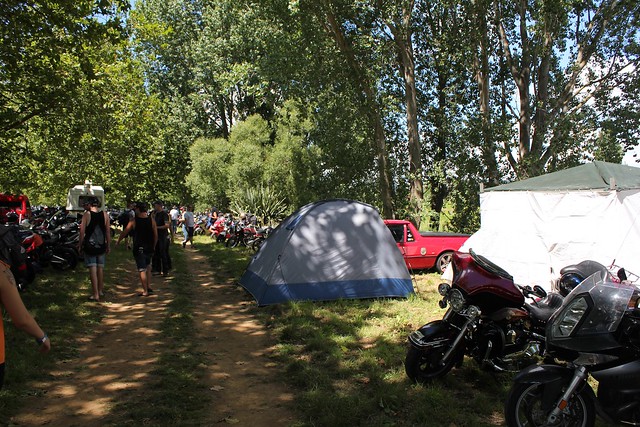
{"points": [[567, 282]]}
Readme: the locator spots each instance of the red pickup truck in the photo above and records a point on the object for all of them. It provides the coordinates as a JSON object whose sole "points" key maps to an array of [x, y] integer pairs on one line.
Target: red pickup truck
{"points": [[423, 251]]}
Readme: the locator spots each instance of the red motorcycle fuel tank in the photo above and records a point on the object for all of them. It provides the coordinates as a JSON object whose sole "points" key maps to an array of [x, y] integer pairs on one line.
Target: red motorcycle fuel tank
{"points": [[484, 288]]}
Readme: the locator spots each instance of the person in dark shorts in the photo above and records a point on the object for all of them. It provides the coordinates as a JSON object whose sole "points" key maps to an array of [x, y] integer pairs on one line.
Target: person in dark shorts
{"points": [[145, 238], [160, 262], [94, 256], [188, 220]]}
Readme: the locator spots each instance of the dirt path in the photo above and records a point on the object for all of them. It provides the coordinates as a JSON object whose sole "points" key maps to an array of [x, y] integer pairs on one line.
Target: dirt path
{"points": [[117, 358]]}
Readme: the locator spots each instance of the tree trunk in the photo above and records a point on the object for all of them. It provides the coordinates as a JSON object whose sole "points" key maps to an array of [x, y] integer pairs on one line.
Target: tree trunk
{"points": [[402, 35], [483, 80], [368, 89]]}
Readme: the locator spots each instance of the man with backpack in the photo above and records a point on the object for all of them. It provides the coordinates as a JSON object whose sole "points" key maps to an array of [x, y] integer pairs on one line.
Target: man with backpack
{"points": [[95, 240]]}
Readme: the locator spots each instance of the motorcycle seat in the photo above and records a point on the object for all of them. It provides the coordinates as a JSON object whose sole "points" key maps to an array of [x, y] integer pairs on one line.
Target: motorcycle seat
{"points": [[585, 269], [543, 309]]}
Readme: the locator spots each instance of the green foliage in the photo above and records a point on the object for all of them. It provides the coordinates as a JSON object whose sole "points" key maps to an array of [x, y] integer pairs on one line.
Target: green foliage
{"points": [[266, 203], [208, 180], [608, 149], [91, 92]]}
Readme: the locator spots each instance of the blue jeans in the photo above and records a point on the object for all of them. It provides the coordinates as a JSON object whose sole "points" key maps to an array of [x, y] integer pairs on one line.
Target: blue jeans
{"points": [[94, 260]]}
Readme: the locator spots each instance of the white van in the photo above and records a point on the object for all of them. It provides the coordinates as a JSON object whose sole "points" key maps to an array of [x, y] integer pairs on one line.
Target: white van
{"points": [[78, 194]]}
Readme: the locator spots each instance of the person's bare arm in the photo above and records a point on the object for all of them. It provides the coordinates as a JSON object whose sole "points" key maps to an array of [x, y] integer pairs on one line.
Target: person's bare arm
{"points": [[155, 232], [126, 231], [83, 227], [107, 223], [20, 316]]}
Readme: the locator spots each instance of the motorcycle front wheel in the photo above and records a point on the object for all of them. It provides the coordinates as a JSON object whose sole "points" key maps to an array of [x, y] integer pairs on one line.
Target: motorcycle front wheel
{"points": [[424, 365], [256, 244], [64, 259], [524, 407]]}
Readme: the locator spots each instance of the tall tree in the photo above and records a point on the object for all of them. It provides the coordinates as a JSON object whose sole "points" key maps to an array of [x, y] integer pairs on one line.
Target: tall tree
{"points": [[561, 56], [398, 18], [335, 25]]}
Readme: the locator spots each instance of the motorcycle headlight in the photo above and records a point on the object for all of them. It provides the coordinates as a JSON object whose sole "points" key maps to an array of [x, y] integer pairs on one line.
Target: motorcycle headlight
{"points": [[456, 299], [443, 289], [569, 318]]}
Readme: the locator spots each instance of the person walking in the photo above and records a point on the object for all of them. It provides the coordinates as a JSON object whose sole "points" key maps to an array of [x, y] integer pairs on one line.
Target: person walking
{"points": [[174, 213], [11, 302], [160, 263], [145, 239], [188, 219], [94, 244]]}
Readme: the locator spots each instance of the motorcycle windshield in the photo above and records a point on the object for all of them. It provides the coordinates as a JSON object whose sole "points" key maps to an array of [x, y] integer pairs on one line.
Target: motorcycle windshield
{"points": [[594, 307]]}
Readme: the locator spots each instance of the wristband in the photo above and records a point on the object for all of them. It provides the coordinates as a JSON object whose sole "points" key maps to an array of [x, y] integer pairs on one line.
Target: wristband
{"points": [[43, 339]]}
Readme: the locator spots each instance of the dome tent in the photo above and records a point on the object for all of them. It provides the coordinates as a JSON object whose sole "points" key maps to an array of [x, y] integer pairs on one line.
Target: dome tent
{"points": [[328, 250], [534, 227]]}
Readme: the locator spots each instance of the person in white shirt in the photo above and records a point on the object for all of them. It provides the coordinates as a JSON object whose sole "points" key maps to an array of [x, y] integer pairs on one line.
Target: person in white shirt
{"points": [[189, 222], [174, 214]]}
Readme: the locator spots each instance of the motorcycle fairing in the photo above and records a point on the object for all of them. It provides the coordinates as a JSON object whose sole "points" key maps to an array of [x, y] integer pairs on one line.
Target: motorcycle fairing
{"points": [[492, 289], [622, 376], [594, 331]]}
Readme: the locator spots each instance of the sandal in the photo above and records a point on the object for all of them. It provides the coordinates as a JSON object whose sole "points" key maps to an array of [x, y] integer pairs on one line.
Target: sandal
{"points": [[143, 295], [92, 298]]}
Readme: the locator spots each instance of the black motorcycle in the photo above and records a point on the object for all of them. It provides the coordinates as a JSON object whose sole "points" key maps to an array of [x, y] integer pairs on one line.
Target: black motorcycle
{"points": [[58, 249], [487, 319], [596, 333]]}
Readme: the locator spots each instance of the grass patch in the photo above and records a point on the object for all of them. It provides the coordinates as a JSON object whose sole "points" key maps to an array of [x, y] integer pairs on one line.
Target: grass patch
{"points": [[58, 302], [345, 359]]}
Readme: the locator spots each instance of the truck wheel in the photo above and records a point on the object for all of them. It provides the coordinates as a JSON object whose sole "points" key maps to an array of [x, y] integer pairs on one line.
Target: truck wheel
{"points": [[443, 261]]}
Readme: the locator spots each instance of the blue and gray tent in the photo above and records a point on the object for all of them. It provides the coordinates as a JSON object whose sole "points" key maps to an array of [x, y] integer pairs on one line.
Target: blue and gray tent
{"points": [[328, 250]]}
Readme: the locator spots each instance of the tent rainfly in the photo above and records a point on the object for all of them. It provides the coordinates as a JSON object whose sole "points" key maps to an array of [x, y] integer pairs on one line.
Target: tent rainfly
{"points": [[533, 228], [325, 251]]}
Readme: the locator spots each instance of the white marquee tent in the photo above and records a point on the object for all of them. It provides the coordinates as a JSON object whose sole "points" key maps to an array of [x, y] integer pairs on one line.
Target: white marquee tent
{"points": [[533, 228]]}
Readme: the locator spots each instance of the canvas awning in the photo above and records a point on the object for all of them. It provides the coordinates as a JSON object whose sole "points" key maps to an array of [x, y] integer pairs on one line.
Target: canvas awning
{"points": [[590, 176]]}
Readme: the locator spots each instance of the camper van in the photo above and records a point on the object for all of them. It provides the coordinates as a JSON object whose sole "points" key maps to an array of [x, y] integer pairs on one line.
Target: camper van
{"points": [[78, 195]]}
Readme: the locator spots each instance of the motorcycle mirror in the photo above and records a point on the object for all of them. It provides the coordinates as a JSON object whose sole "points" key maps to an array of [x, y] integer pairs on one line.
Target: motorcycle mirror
{"points": [[539, 291]]}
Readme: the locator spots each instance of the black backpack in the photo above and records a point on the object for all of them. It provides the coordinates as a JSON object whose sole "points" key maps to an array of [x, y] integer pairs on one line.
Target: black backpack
{"points": [[12, 252], [95, 240]]}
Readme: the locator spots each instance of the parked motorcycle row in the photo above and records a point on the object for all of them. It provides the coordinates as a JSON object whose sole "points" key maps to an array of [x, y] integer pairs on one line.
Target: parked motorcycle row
{"points": [[589, 326], [242, 232], [50, 239]]}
